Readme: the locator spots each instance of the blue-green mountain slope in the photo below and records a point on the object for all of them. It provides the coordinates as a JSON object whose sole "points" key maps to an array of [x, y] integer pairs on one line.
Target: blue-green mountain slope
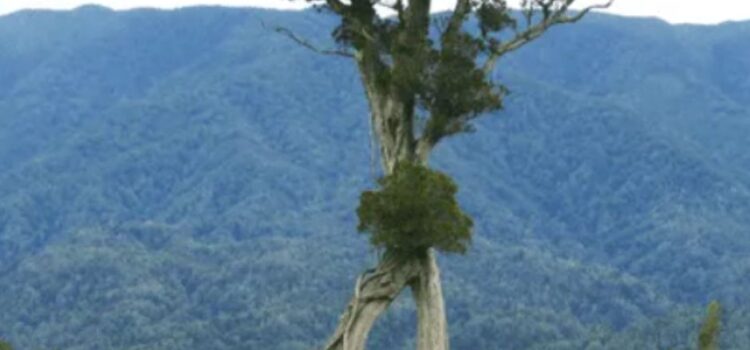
{"points": [[175, 179]]}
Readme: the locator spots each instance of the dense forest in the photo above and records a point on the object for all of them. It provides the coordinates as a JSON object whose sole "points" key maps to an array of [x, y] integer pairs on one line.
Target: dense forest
{"points": [[188, 179]]}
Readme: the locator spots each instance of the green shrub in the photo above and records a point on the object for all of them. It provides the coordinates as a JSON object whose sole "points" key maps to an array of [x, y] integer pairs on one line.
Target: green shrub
{"points": [[415, 209]]}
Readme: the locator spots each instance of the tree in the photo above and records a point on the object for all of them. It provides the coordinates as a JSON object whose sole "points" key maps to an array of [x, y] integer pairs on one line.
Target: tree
{"points": [[5, 345], [422, 87], [708, 338]]}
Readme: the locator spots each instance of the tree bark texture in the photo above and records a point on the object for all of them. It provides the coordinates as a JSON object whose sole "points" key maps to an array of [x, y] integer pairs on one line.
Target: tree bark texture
{"points": [[392, 121], [432, 326], [376, 289]]}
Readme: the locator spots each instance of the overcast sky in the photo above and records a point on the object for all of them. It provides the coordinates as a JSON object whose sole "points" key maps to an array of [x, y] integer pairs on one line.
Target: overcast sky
{"points": [[675, 11]]}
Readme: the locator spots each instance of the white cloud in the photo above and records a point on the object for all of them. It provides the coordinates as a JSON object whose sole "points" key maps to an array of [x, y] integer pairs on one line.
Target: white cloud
{"points": [[675, 11], [686, 11]]}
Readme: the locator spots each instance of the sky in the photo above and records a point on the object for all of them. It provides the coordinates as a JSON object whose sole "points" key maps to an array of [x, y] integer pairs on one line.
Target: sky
{"points": [[673, 11]]}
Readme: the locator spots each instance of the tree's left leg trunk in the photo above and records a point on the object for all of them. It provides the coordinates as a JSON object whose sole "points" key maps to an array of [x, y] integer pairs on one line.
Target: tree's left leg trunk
{"points": [[432, 328], [374, 292]]}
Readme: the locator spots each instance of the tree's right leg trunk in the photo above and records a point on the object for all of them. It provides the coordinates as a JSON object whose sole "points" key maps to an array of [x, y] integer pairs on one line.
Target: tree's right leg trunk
{"points": [[432, 328]]}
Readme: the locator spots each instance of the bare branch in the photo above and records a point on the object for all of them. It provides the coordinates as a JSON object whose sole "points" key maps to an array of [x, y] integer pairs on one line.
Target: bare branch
{"points": [[550, 17], [306, 44], [585, 11]]}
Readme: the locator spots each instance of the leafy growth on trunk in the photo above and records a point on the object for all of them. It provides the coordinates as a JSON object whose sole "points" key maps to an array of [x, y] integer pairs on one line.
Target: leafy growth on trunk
{"points": [[415, 209]]}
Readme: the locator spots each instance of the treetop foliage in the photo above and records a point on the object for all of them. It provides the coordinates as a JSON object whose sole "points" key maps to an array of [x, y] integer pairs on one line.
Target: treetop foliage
{"points": [[441, 79], [415, 209]]}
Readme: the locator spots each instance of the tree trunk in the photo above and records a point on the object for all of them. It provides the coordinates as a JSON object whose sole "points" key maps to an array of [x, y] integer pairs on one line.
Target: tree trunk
{"points": [[392, 122], [432, 328], [376, 289], [373, 293]]}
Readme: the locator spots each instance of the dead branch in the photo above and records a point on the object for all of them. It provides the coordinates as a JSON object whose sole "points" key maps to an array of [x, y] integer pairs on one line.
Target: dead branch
{"points": [[306, 44], [550, 17]]}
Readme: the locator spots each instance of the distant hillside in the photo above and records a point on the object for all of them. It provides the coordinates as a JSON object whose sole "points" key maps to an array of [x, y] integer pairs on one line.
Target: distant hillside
{"points": [[187, 179]]}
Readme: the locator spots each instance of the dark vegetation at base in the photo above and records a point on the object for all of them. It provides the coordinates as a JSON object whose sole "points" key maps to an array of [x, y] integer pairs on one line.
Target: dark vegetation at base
{"points": [[188, 179], [708, 337]]}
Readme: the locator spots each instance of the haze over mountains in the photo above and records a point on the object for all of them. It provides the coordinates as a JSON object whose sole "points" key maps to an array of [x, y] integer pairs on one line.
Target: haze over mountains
{"points": [[176, 179]]}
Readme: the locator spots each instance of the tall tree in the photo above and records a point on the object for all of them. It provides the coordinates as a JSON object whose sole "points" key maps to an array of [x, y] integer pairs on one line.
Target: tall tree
{"points": [[425, 78]]}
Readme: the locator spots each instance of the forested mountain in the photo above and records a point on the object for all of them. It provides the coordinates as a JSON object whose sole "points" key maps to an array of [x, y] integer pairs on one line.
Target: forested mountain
{"points": [[187, 179]]}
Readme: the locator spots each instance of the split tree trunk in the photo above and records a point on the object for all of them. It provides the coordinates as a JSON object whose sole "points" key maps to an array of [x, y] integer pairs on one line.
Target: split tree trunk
{"points": [[392, 117], [376, 289], [432, 328]]}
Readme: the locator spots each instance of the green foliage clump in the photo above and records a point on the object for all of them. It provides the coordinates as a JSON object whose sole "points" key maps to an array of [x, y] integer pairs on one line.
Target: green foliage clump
{"points": [[708, 339], [415, 209]]}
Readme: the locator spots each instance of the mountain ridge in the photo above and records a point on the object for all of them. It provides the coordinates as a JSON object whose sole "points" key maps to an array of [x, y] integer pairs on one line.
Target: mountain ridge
{"points": [[190, 178]]}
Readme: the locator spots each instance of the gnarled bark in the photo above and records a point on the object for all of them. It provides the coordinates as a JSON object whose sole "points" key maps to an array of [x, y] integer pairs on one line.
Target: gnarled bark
{"points": [[392, 121], [432, 327], [373, 293], [377, 288]]}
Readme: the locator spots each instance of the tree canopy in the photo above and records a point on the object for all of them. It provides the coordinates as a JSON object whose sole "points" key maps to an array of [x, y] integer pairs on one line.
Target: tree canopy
{"points": [[437, 70]]}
